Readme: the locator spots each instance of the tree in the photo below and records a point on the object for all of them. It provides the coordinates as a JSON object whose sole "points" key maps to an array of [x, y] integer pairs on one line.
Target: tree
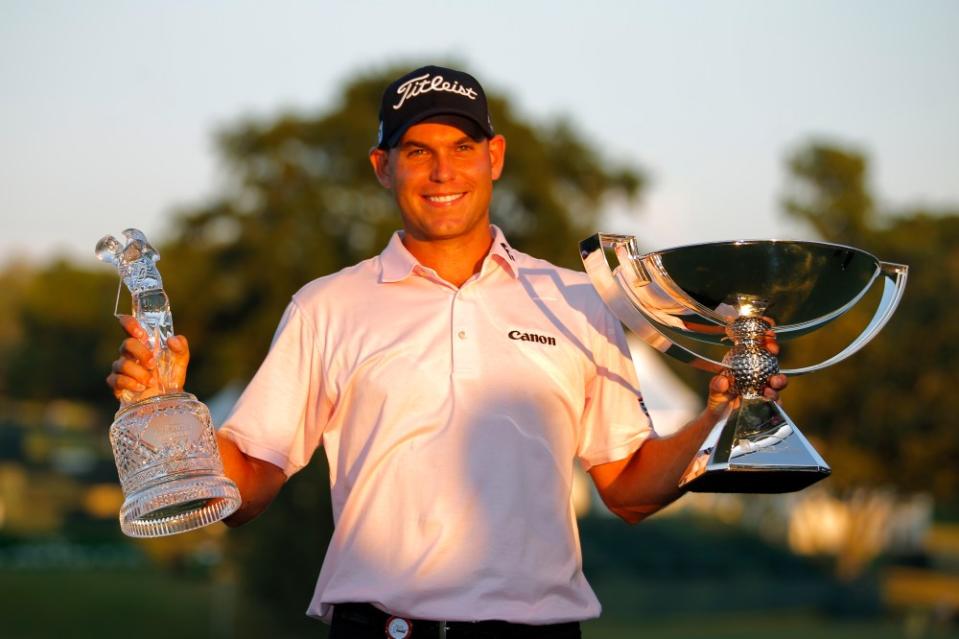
{"points": [[829, 192], [886, 414], [56, 334]]}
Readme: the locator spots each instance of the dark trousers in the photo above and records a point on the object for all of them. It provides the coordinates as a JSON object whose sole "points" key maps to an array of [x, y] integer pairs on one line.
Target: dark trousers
{"points": [[363, 621]]}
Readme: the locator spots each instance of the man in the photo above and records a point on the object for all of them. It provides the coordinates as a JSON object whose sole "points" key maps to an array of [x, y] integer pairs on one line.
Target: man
{"points": [[452, 382]]}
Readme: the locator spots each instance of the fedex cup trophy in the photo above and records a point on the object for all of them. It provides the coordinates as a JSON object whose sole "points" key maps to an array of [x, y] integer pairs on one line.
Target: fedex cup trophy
{"points": [[163, 444], [736, 292]]}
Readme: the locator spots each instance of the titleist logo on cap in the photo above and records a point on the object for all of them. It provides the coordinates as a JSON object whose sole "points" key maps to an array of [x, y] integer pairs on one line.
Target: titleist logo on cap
{"points": [[423, 84]]}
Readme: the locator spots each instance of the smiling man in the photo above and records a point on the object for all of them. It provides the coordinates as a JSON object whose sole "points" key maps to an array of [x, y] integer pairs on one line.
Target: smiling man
{"points": [[452, 382]]}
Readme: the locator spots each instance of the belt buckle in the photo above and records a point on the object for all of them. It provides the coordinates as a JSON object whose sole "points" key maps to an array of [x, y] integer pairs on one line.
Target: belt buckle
{"points": [[401, 628], [398, 628]]}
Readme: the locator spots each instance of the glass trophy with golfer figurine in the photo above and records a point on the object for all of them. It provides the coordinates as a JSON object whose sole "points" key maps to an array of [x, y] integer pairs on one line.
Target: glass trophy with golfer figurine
{"points": [[163, 442], [735, 293]]}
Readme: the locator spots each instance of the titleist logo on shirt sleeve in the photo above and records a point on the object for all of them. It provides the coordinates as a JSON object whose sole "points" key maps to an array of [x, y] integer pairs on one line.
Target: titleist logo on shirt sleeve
{"points": [[423, 84], [532, 337]]}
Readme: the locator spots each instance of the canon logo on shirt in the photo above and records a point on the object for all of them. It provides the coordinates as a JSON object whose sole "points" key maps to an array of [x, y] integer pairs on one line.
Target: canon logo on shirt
{"points": [[532, 337]]}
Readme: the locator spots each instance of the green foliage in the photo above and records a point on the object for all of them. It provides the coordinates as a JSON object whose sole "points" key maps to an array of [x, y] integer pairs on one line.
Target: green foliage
{"points": [[57, 334], [703, 566], [886, 413], [829, 191]]}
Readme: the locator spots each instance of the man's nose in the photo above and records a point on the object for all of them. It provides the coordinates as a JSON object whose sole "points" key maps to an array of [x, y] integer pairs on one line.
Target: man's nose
{"points": [[442, 168]]}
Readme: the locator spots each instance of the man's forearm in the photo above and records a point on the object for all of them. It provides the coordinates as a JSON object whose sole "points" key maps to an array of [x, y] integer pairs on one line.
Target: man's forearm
{"points": [[649, 480], [259, 481]]}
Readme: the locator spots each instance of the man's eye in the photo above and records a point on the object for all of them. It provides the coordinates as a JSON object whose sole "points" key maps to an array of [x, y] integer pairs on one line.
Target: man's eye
{"points": [[414, 153], [465, 147]]}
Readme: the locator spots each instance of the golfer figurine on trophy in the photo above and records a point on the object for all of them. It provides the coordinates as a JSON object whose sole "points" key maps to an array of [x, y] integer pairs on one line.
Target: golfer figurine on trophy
{"points": [[163, 442]]}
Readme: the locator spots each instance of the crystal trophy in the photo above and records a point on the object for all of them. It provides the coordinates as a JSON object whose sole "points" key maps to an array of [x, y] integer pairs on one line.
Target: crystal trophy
{"points": [[735, 292], [163, 442]]}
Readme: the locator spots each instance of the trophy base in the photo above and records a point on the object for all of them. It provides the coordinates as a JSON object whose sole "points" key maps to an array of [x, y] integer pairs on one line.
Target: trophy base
{"points": [[757, 481], [757, 449], [179, 505]]}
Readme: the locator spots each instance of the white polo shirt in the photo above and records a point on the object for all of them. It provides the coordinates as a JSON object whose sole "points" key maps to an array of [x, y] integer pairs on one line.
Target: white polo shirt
{"points": [[451, 419]]}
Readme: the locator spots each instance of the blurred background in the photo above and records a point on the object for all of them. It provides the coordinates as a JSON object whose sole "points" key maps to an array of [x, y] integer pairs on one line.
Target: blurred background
{"points": [[235, 135]]}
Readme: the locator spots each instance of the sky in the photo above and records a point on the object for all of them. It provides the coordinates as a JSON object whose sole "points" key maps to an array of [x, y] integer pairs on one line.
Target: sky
{"points": [[108, 109]]}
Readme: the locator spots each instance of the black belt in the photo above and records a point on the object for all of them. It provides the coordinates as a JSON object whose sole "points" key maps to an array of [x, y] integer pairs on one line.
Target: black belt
{"points": [[393, 626]]}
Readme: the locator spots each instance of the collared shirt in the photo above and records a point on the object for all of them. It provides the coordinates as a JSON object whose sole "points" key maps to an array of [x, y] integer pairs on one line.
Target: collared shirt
{"points": [[451, 419]]}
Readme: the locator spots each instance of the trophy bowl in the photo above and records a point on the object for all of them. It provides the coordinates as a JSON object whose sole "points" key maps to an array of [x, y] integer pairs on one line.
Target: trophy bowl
{"points": [[735, 293]]}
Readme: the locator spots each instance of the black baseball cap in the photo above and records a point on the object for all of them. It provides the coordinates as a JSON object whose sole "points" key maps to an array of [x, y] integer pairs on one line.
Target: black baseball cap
{"points": [[436, 94]]}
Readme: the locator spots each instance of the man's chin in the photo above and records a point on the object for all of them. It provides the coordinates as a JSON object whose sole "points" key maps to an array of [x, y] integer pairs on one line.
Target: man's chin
{"points": [[446, 232]]}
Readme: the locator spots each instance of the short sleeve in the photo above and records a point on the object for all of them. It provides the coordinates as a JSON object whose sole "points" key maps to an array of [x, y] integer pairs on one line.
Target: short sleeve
{"points": [[614, 423], [281, 415]]}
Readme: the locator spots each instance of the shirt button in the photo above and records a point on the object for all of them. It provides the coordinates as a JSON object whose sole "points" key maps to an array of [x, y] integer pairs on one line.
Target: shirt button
{"points": [[461, 335]]}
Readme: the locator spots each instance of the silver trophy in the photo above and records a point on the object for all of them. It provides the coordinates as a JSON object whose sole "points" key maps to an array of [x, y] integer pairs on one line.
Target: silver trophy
{"points": [[163, 444], [734, 292]]}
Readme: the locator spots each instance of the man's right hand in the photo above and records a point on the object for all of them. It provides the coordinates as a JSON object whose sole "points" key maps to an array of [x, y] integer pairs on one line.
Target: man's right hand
{"points": [[135, 371]]}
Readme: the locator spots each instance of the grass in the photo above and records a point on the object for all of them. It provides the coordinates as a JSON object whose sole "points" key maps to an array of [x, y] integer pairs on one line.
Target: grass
{"points": [[747, 626], [149, 604], [74, 604], [668, 579]]}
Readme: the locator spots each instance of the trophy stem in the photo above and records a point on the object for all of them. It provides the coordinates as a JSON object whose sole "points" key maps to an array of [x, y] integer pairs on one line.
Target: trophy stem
{"points": [[748, 362]]}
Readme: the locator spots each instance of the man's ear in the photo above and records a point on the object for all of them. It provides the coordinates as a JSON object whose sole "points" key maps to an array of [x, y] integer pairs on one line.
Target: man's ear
{"points": [[497, 155], [380, 160]]}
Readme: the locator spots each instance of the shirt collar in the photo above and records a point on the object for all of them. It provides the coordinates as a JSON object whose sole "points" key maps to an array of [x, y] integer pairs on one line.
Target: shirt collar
{"points": [[397, 263], [503, 253]]}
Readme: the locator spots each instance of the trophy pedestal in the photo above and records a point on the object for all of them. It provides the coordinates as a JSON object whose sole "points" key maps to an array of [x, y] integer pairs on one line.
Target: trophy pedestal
{"points": [[169, 467], [755, 449]]}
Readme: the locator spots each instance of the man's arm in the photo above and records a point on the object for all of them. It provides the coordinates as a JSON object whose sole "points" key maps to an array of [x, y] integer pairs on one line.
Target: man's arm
{"points": [[641, 484], [135, 370], [259, 481]]}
